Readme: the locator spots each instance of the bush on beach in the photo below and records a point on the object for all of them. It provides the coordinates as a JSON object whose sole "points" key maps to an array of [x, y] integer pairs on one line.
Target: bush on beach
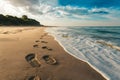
{"points": [[9, 20]]}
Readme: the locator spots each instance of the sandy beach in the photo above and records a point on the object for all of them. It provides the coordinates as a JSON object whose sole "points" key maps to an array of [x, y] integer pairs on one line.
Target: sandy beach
{"points": [[54, 62]]}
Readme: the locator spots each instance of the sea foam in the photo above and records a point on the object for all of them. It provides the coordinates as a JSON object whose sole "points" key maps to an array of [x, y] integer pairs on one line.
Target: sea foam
{"points": [[80, 44]]}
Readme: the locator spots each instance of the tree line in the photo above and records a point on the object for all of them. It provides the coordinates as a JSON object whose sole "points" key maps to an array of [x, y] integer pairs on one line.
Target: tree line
{"points": [[9, 20]]}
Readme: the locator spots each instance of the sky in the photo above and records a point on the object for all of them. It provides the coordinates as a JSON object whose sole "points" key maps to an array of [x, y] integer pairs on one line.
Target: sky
{"points": [[65, 12]]}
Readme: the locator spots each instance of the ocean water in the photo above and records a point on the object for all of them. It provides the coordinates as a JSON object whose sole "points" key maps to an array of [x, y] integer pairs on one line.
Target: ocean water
{"points": [[98, 46]]}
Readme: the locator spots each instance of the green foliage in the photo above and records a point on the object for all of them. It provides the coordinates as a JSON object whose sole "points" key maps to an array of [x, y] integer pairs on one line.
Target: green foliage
{"points": [[9, 20], [24, 17]]}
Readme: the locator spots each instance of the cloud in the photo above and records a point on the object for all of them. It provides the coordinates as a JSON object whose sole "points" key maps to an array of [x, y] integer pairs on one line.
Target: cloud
{"points": [[100, 12], [51, 10], [23, 2], [35, 7], [48, 7], [76, 12]]}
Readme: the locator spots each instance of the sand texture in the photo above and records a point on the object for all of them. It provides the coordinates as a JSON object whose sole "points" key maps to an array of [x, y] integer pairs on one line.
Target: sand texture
{"points": [[30, 53]]}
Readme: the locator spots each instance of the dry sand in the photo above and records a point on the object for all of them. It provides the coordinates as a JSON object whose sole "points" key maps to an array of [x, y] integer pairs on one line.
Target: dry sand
{"points": [[16, 43]]}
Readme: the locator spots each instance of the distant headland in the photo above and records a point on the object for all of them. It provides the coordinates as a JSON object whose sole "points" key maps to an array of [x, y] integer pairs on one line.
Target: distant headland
{"points": [[8, 20]]}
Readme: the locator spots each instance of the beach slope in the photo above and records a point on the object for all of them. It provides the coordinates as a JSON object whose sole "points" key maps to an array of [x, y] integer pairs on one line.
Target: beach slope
{"points": [[52, 61]]}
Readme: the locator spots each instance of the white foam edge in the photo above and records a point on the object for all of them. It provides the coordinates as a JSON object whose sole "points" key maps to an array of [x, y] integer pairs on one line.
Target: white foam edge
{"points": [[104, 75]]}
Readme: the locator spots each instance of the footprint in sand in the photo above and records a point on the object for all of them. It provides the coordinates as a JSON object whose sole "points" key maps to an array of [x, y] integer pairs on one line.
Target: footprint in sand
{"points": [[6, 32], [44, 42], [42, 36], [35, 46], [45, 34], [33, 78], [45, 47], [50, 49], [49, 59], [37, 41], [32, 60]]}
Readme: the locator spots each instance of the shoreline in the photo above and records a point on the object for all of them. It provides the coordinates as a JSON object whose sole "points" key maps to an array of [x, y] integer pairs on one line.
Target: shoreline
{"points": [[13, 54], [101, 73], [106, 77]]}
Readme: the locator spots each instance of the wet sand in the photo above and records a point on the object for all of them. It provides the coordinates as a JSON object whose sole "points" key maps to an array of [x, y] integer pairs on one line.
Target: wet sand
{"points": [[17, 43]]}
